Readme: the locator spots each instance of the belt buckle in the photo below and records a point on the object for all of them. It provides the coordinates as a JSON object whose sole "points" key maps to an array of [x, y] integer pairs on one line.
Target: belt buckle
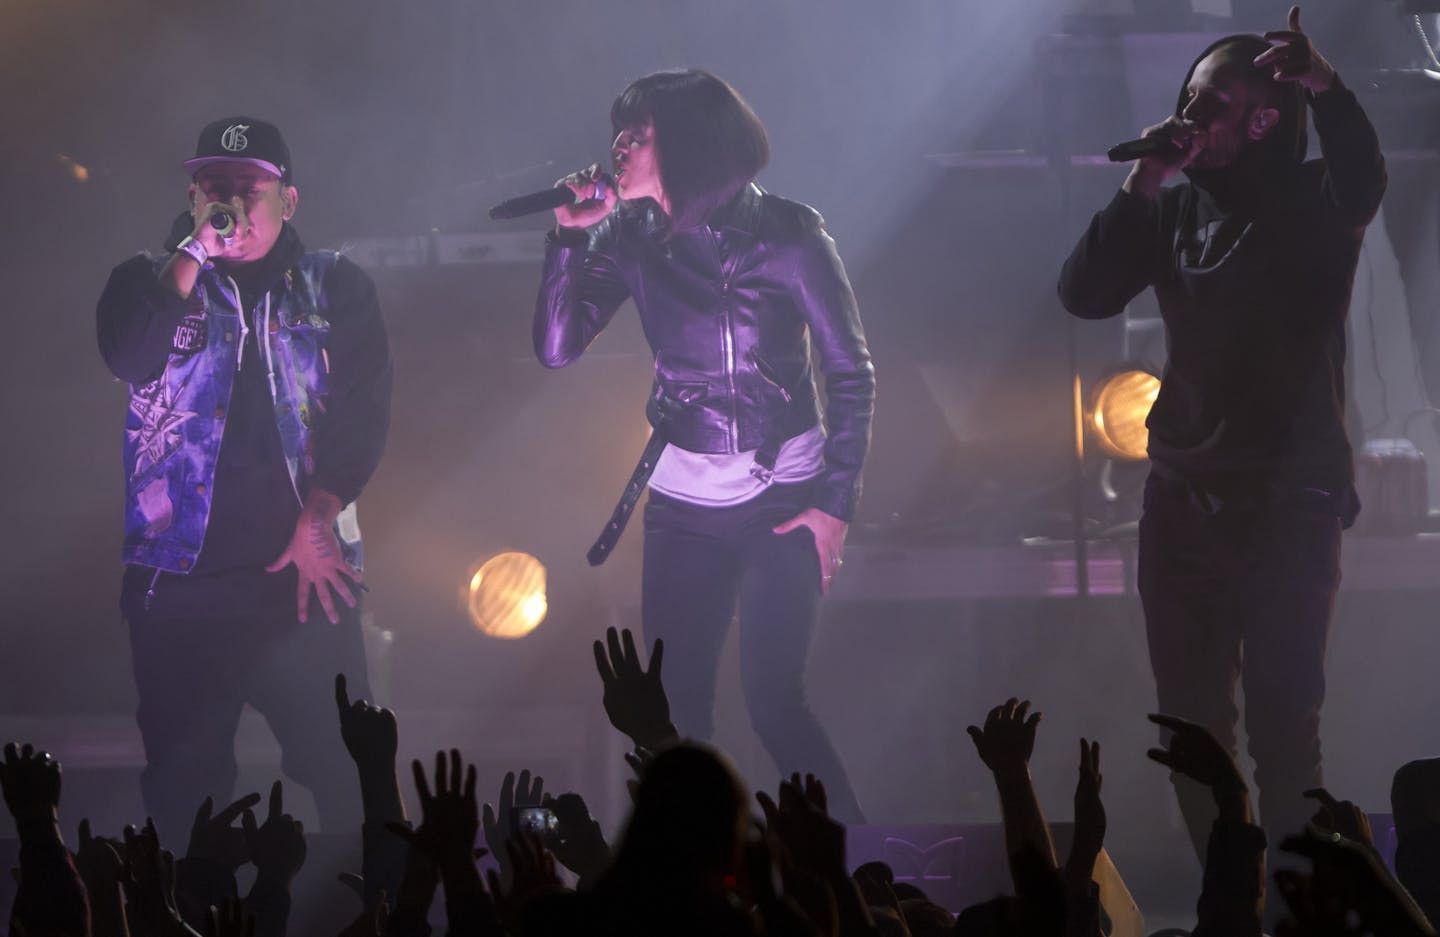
{"points": [[763, 474]]}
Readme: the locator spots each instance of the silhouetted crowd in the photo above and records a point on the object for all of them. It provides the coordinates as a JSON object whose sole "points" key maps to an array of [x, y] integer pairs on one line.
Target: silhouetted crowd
{"points": [[694, 858]]}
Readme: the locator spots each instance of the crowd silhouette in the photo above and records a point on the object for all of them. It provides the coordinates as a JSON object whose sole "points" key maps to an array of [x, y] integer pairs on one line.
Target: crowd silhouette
{"points": [[698, 855]]}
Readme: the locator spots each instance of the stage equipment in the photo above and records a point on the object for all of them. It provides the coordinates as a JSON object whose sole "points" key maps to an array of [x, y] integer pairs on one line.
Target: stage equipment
{"points": [[506, 596], [1119, 404]]}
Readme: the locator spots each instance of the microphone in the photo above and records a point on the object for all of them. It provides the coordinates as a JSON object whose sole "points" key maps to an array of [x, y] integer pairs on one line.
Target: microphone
{"points": [[1138, 149], [223, 222], [544, 200]]}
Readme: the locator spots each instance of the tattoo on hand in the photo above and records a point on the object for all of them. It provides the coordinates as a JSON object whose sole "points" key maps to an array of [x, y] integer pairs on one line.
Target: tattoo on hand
{"points": [[319, 538]]}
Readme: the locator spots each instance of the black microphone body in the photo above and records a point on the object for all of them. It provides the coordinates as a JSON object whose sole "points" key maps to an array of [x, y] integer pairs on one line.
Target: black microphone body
{"points": [[1139, 149], [544, 200], [223, 222]]}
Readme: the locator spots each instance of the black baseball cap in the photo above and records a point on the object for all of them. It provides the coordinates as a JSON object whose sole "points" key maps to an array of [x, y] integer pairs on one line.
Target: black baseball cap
{"points": [[242, 140]]}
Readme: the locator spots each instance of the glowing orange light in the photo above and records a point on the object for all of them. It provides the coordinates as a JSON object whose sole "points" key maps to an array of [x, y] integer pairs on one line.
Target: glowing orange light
{"points": [[1122, 402], [78, 172], [506, 596]]}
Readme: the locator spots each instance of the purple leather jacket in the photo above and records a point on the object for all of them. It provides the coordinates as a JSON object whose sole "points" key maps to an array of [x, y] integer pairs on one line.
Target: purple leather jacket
{"points": [[739, 314]]}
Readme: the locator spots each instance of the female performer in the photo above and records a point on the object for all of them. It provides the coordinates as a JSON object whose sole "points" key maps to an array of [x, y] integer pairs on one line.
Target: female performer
{"points": [[742, 297]]}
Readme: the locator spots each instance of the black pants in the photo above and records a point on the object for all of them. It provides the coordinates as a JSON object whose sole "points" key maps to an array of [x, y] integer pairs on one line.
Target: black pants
{"points": [[195, 673], [699, 561], [1242, 591]]}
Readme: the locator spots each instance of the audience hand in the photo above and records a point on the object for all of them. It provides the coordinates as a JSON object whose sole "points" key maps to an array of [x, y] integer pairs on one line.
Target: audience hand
{"points": [[1090, 820], [216, 838], [635, 699], [513, 794], [150, 885], [578, 842], [1350, 891], [1193, 752], [812, 840], [1341, 816], [231, 919], [449, 820], [30, 782], [1008, 738], [277, 847], [370, 733], [103, 870]]}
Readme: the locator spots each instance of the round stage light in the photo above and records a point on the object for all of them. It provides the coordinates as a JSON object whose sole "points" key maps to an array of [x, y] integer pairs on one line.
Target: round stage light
{"points": [[506, 597], [1122, 401]]}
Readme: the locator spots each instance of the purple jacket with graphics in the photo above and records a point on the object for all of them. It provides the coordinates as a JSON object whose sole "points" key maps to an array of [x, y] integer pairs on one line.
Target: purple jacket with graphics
{"points": [[180, 357]]}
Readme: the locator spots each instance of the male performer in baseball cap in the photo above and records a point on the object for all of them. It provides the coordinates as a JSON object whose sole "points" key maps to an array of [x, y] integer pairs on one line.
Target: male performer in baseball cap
{"points": [[260, 379]]}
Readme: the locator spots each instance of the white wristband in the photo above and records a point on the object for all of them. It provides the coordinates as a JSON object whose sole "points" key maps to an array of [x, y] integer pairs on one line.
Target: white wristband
{"points": [[194, 250]]}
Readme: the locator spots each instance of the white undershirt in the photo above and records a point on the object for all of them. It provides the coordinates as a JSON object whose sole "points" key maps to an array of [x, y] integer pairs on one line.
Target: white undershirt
{"points": [[723, 479]]}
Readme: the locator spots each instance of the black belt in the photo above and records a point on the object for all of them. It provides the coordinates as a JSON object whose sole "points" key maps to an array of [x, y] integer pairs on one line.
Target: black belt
{"points": [[763, 469], [610, 536]]}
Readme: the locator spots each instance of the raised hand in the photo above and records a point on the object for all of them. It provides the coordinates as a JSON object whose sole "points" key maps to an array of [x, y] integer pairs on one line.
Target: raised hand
{"points": [[635, 699], [150, 884], [216, 838], [1195, 753], [277, 847], [370, 733], [514, 793], [1341, 816], [1351, 891], [230, 919], [801, 822], [1008, 737], [30, 781], [532, 870], [1090, 822], [578, 842], [102, 870], [1294, 57], [449, 818]]}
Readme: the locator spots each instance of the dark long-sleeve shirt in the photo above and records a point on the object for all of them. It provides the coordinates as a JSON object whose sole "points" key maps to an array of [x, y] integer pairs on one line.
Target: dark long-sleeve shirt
{"points": [[1254, 294]]}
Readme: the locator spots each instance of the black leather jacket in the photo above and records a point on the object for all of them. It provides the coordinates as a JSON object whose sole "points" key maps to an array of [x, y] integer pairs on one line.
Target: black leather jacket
{"points": [[731, 311]]}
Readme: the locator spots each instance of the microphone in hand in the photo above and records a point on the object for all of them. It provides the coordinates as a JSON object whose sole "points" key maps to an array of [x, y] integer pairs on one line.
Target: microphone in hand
{"points": [[224, 224], [549, 200], [1153, 145]]}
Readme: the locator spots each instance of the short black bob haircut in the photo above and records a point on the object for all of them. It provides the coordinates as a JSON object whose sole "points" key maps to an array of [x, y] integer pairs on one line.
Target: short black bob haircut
{"points": [[708, 142]]}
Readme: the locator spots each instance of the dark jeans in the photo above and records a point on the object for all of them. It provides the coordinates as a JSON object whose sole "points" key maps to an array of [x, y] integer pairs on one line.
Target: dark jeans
{"points": [[1242, 591], [698, 562], [195, 673]]}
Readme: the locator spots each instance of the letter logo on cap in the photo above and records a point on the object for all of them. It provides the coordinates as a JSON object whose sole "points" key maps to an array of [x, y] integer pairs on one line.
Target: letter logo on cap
{"points": [[234, 139]]}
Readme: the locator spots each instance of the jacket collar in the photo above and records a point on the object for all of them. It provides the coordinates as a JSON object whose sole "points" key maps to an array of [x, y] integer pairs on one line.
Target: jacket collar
{"points": [[741, 213]]}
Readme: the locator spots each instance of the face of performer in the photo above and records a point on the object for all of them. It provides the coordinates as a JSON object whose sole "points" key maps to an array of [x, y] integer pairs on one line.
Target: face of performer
{"points": [[265, 201], [1222, 101], [637, 171]]}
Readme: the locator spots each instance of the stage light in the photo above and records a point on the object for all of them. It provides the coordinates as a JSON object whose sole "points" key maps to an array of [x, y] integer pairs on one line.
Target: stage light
{"points": [[78, 172], [1119, 405], [506, 598]]}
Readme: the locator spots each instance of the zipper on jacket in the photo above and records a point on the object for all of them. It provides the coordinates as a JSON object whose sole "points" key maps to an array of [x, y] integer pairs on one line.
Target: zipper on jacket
{"points": [[727, 343], [150, 592]]}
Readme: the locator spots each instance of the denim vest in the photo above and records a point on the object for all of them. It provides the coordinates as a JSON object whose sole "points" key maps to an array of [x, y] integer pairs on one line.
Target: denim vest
{"points": [[175, 426]]}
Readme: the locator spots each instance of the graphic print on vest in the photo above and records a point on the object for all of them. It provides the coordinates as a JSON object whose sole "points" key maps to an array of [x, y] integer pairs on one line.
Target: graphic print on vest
{"points": [[158, 435], [191, 335]]}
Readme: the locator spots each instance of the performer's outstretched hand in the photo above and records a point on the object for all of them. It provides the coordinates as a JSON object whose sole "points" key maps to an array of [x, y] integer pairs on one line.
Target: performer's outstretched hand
{"points": [[829, 540], [1294, 57], [315, 551]]}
